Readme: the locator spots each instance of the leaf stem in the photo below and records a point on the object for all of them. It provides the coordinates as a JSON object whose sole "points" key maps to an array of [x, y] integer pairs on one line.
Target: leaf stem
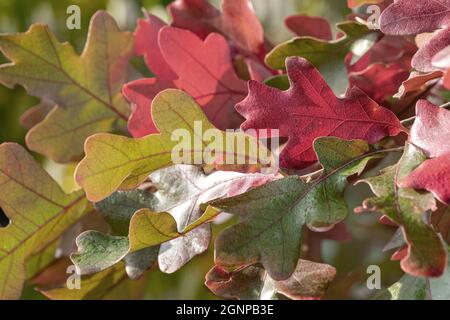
{"points": [[317, 173]]}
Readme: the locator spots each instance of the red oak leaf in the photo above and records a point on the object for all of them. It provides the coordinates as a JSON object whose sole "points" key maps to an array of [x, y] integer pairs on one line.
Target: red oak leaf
{"points": [[422, 60], [413, 17], [316, 27], [409, 17], [146, 45], [141, 93], [237, 21], [243, 27], [309, 109], [204, 70], [382, 69], [388, 50], [198, 16], [379, 81], [433, 175], [431, 132], [442, 61], [417, 82]]}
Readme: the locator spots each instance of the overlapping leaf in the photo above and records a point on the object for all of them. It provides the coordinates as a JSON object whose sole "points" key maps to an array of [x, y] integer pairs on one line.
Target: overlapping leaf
{"points": [[442, 61], [316, 27], [309, 110], [130, 161], [181, 190], [414, 288], [39, 212], [273, 216], [111, 284], [85, 89], [148, 230], [199, 16], [309, 281], [327, 56], [431, 132], [237, 21], [184, 188], [409, 17], [406, 17], [182, 60], [382, 69], [425, 254], [379, 81]]}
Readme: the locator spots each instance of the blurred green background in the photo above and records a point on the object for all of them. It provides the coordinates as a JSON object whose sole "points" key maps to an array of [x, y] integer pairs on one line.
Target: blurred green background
{"points": [[351, 259]]}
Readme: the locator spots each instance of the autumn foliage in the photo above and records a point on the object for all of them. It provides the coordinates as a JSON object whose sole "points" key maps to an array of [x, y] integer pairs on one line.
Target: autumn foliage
{"points": [[350, 105]]}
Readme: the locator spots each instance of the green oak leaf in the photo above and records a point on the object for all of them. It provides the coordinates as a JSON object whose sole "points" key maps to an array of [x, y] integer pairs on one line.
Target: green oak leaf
{"points": [[327, 56], [130, 161], [279, 82], [426, 254], [273, 216], [85, 90], [102, 251], [309, 281], [148, 230], [181, 189], [407, 288], [39, 212], [119, 207]]}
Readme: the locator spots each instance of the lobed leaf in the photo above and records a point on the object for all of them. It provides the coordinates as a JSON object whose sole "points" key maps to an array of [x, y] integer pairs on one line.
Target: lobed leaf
{"points": [[273, 216], [430, 132], [309, 110], [309, 281], [39, 212], [327, 56], [130, 161], [181, 190], [85, 89], [425, 254]]}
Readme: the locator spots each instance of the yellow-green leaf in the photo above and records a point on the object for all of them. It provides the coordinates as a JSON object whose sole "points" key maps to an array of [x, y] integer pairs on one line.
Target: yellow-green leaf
{"points": [[86, 89], [38, 210], [115, 162], [148, 230]]}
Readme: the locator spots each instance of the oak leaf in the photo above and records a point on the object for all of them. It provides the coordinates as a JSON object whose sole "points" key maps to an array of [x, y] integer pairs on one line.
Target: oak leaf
{"points": [[86, 89], [309, 110], [431, 133], [130, 161], [272, 216], [39, 212], [425, 253], [308, 282]]}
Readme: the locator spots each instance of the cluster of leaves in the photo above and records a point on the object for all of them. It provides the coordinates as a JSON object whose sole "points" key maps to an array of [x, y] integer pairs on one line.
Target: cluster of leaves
{"points": [[337, 102]]}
